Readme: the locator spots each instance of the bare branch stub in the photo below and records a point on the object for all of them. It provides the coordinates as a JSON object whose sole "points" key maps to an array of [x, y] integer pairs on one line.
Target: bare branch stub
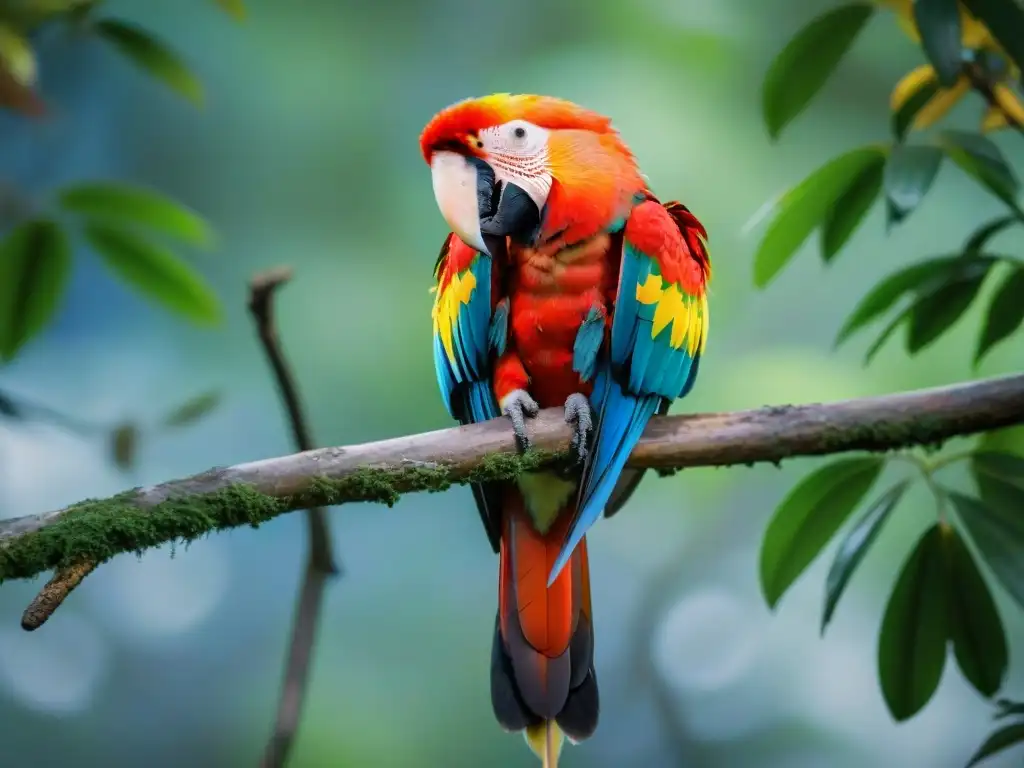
{"points": [[321, 562], [54, 593]]}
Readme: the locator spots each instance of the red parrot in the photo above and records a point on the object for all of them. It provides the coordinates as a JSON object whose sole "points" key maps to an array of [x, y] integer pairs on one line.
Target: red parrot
{"points": [[564, 282]]}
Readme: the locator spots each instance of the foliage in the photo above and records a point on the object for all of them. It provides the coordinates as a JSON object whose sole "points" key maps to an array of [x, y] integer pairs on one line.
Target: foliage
{"points": [[124, 225], [942, 599]]}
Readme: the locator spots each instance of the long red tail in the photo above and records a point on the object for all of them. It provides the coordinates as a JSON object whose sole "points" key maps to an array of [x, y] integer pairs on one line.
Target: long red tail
{"points": [[542, 661]]}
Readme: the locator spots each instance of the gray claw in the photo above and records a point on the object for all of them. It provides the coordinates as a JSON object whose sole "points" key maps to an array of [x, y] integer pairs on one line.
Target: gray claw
{"points": [[579, 415], [519, 405]]}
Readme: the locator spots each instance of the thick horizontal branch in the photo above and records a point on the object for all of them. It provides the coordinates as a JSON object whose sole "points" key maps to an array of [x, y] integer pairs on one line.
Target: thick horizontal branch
{"points": [[258, 491]]}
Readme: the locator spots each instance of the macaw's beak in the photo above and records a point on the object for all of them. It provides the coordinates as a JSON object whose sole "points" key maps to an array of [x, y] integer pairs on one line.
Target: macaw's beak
{"points": [[479, 207]]}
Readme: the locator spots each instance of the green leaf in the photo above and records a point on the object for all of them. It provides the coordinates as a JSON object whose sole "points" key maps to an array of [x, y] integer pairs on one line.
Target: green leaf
{"points": [[883, 337], [35, 264], [153, 56], [17, 56], [912, 642], [124, 443], [125, 204], [999, 477], [800, 70], [909, 174], [1008, 736], [805, 206], [890, 289], [981, 159], [843, 218], [936, 311], [1005, 313], [855, 545], [10, 409], [1008, 708], [193, 410], [1005, 20], [808, 517], [234, 8], [156, 272], [980, 237], [975, 626], [938, 23], [903, 118], [998, 533]]}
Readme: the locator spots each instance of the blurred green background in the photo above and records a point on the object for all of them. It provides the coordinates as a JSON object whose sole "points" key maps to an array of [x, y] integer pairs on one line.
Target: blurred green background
{"points": [[306, 154]]}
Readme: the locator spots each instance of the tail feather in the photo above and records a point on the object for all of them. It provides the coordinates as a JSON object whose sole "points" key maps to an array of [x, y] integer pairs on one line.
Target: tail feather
{"points": [[542, 674]]}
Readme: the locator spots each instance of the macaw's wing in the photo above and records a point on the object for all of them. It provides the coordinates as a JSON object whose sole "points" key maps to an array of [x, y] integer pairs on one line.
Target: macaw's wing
{"points": [[470, 328], [658, 332]]}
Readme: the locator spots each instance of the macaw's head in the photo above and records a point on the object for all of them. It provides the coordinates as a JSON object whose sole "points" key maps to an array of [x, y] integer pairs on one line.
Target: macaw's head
{"points": [[523, 166]]}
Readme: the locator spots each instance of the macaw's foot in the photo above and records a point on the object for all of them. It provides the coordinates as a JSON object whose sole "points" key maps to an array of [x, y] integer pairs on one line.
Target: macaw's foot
{"points": [[579, 416], [517, 406]]}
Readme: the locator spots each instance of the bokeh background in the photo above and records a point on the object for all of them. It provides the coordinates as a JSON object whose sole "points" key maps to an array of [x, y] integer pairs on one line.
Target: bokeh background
{"points": [[307, 155]]}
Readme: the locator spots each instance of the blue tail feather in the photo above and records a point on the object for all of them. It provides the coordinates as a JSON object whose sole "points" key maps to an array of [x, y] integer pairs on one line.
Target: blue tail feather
{"points": [[621, 420]]}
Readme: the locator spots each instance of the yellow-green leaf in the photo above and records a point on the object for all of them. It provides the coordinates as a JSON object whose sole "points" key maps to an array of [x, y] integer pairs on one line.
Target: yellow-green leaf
{"points": [[809, 517], [35, 264], [153, 56], [804, 207], [234, 8], [193, 410], [915, 629], [125, 204], [17, 56], [155, 272], [124, 443]]}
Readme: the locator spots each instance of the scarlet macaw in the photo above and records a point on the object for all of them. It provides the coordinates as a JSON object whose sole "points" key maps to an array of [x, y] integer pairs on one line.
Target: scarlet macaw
{"points": [[564, 282]]}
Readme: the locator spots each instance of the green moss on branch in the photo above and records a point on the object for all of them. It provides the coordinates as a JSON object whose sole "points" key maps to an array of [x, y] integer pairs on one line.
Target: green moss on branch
{"points": [[98, 529]]}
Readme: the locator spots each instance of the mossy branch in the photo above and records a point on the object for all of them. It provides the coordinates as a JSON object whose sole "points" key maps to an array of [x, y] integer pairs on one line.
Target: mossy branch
{"points": [[252, 493]]}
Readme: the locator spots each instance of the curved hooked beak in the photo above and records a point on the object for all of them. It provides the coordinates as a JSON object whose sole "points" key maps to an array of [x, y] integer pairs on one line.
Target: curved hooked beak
{"points": [[478, 206]]}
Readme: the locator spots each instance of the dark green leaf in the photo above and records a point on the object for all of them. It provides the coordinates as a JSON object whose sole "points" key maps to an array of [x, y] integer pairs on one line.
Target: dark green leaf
{"points": [[979, 239], [1008, 708], [936, 311], [808, 517], [893, 215], [938, 23], [909, 174], [849, 210], [152, 55], [193, 410], [35, 264], [1005, 20], [124, 204], [800, 70], [156, 272], [124, 442], [889, 290], [975, 626], [805, 206], [998, 533], [1005, 313], [981, 159], [903, 118], [855, 545], [888, 331], [9, 408], [912, 643], [1008, 736], [999, 477]]}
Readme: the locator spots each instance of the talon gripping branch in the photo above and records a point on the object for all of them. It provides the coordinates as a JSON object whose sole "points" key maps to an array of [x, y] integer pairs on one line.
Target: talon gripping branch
{"points": [[564, 282]]}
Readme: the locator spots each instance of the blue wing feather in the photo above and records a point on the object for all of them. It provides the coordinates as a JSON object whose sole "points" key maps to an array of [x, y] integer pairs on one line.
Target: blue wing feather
{"points": [[634, 380]]}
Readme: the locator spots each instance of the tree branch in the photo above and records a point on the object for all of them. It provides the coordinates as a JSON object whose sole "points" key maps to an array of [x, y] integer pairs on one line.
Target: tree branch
{"points": [[320, 563], [252, 493]]}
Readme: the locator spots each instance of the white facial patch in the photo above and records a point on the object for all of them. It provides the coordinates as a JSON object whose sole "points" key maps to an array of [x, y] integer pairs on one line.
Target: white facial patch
{"points": [[518, 153]]}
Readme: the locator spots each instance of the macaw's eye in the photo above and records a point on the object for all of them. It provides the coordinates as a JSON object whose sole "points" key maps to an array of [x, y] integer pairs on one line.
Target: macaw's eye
{"points": [[519, 132]]}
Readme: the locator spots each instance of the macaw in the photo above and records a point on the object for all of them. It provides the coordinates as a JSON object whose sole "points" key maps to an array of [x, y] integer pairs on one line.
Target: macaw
{"points": [[563, 282]]}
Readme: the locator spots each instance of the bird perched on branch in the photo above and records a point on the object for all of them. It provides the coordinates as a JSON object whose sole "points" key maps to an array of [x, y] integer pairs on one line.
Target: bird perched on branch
{"points": [[564, 282]]}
